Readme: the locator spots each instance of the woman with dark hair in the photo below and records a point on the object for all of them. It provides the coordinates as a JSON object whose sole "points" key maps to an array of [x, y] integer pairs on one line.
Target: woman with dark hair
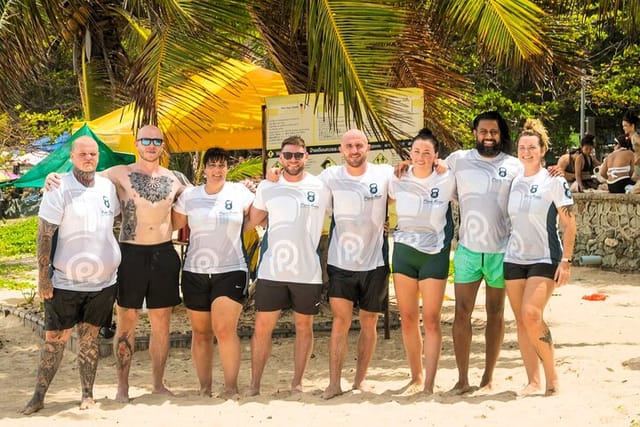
{"points": [[630, 123], [422, 245], [215, 272]]}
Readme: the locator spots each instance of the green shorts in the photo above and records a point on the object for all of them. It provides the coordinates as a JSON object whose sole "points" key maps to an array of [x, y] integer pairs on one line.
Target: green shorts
{"points": [[419, 265], [470, 266]]}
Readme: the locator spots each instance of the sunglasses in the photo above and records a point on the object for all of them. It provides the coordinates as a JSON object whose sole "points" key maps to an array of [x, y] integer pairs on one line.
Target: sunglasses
{"points": [[148, 141], [288, 155]]}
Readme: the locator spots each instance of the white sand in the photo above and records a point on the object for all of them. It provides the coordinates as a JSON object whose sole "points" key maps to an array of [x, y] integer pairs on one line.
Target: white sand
{"points": [[597, 352]]}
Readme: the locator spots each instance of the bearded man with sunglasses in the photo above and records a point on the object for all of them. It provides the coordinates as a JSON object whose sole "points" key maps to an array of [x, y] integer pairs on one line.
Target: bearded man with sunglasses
{"points": [[289, 273], [150, 264]]}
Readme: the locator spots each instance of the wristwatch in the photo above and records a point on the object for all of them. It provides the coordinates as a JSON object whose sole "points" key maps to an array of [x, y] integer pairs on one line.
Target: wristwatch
{"points": [[566, 260]]}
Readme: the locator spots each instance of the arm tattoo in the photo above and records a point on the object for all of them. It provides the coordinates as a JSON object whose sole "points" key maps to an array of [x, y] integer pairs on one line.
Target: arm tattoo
{"points": [[151, 188], [567, 210], [129, 221], [44, 243]]}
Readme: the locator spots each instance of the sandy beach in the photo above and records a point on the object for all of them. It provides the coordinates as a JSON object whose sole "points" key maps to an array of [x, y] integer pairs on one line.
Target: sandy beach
{"points": [[597, 351]]}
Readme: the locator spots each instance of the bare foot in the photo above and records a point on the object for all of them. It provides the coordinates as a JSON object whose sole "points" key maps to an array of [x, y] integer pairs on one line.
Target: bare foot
{"points": [[33, 406], [252, 391], [295, 389], [485, 388], [122, 397], [87, 403], [205, 392], [364, 387], [460, 389], [413, 387], [228, 393], [552, 389], [162, 390], [428, 391], [529, 389], [331, 392]]}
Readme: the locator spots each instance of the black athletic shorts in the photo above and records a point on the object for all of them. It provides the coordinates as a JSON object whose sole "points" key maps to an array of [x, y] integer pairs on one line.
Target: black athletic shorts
{"points": [[200, 290], [68, 308], [368, 290], [151, 272], [303, 298], [524, 271]]}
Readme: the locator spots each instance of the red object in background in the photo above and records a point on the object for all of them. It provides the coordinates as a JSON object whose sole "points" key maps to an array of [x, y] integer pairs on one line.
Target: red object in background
{"points": [[595, 297]]}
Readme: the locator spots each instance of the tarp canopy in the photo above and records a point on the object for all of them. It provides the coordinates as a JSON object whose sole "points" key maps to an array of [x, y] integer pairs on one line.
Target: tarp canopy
{"points": [[59, 161], [225, 113]]}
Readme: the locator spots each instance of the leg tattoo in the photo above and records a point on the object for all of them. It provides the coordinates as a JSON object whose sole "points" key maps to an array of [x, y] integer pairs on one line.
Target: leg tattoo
{"points": [[50, 358], [87, 358]]}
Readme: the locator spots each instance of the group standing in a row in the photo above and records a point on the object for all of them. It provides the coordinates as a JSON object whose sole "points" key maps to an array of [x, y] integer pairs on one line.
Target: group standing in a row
{"points": [[494, 191]]}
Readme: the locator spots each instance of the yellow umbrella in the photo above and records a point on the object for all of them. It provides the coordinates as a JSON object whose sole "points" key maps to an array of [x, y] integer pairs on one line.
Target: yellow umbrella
{"points": [[224, 113]]}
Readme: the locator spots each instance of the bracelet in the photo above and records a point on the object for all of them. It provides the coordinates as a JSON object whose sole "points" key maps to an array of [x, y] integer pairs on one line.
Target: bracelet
{"points": [[566, 260]]}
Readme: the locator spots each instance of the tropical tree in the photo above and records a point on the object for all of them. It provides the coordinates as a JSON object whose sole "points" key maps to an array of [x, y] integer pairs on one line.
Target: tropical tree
{"points": [[135, 50]]}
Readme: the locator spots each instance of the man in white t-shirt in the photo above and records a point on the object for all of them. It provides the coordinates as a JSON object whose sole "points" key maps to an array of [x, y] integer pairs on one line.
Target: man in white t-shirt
{"points": [[483, 178], [289, 273], [78, 286], [357, 262]]}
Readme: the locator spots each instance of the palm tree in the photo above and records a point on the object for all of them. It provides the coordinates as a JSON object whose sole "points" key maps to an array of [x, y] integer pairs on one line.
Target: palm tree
{"points": [[135, 50]]}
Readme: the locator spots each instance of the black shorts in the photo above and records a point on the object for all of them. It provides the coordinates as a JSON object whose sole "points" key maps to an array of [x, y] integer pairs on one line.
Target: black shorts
{"points": [[200, 290], [151, 272], [368, 290], [303, 298], [618, 186], [68, 308], [524, 271]]}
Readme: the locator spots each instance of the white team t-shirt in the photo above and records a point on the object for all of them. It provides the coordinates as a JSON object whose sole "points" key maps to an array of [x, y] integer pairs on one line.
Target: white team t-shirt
{"points": [[359, 213], [87, 254], [533, 209], [215, 223], [296, 213], [483, 186], [423, 206]]}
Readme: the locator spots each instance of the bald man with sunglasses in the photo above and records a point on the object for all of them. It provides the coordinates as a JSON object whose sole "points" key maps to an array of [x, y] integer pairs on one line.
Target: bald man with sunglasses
{"points": [[150, 265]]}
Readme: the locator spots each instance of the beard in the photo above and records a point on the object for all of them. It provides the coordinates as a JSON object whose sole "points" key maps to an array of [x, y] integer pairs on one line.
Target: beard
{"points": [[487, 151], [294, 170]]}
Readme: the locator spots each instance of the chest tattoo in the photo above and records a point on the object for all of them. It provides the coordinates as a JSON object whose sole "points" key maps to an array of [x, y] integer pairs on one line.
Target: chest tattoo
{"points": [[153, 189]]}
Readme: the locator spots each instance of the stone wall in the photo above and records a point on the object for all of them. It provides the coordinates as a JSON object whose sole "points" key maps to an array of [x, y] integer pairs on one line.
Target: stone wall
{"points": [[609, 226]]}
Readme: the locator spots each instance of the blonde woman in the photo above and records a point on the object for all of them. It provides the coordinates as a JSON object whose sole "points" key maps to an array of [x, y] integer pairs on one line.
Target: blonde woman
{"points": [[536, 262]]}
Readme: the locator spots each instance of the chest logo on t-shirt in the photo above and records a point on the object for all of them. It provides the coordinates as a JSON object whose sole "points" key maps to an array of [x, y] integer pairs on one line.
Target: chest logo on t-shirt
{"points": [[228, 205], [502, 172], [435, 192], [106, 202], [373, 192], [533, 188]]}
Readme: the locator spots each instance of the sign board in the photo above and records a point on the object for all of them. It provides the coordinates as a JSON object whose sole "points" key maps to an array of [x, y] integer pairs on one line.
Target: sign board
{"points": [[294, 115]]}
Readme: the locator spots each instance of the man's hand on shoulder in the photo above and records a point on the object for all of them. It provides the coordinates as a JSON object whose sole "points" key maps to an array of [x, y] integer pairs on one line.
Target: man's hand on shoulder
{"points": [[401, 168], [555, 171], [182, 179], [52, 181], [273, 174]]}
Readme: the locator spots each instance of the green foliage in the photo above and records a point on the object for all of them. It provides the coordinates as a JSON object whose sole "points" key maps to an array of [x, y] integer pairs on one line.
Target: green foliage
{"points": [[18, 237], [16, 275]]}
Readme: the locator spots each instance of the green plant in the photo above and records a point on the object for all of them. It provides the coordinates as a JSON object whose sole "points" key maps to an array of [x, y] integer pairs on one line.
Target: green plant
{"points": [[16, 275], [18, 237]]}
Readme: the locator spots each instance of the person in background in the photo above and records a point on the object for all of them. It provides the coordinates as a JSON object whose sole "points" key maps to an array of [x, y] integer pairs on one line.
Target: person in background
{"points": [[78, 283], [422, 245], [618, 166], [630, 123], [578, 166], [215, 272], [536, 262]]}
